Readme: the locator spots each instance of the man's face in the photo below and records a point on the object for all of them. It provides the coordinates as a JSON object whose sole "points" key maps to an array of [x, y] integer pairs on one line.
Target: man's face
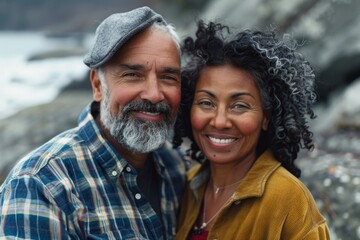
{"points": [[142, 93]]}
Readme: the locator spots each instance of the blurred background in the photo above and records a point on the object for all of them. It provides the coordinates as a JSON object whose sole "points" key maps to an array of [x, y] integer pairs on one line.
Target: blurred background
{"points": [[45, 85]]}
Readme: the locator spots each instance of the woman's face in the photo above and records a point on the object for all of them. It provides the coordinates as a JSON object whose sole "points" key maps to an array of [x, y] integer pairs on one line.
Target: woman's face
{"points": [[227, 115]]}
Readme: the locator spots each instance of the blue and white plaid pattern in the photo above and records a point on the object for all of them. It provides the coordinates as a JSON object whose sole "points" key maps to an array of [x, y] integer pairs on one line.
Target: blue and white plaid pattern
{"points": [[76, 186]]}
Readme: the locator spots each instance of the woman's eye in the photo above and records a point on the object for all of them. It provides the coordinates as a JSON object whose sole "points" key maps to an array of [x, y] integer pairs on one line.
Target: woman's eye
{"points": [[240, 106], [205, 103]]}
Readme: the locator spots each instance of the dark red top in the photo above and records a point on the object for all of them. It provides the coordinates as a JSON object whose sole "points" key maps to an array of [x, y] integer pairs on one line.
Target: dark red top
{"points": [[198, 236]]}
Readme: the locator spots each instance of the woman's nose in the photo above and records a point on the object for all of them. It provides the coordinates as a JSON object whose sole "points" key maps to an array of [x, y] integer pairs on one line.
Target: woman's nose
{"points": [[220, 119]]}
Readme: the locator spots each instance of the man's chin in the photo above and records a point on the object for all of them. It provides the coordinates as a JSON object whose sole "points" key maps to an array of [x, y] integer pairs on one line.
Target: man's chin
{"points": [[144, 150]]}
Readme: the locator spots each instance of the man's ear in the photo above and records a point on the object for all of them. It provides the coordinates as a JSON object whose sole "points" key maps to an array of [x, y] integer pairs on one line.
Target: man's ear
{"points": [[96, 85]]}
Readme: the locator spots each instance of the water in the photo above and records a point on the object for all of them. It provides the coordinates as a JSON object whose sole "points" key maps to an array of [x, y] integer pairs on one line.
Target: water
{"points": [[27, 83]]}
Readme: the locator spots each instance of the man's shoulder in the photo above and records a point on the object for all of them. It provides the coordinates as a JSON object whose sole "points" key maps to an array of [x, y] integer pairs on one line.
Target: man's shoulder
{"points": [[59, 146], [62, 146]]}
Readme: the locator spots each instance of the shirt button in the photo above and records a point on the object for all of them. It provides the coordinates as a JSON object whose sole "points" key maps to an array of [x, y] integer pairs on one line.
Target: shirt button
{"points": [[114, 173], [128, 169], [138, 196]]}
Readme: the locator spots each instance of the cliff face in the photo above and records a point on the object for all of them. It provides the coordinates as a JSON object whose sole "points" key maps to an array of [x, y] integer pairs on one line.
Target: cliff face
{"points": [[64, 16], [328, 32]]}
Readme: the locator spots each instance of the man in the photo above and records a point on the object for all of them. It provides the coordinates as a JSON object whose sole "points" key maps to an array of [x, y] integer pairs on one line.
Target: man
{"points": [[114, 176]]}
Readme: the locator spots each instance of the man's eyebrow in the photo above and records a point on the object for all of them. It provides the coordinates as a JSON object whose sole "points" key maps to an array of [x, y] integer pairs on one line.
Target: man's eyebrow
{"points": [[141, 67], [171, 70], [132, 66]]}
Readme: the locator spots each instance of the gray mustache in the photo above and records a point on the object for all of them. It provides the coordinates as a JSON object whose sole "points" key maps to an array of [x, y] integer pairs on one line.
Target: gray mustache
{"points": [[146, 106]]}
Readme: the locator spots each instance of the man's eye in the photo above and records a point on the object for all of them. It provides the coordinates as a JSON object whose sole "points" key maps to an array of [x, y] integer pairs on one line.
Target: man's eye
{"points": [[169, 77], [131, 74]]}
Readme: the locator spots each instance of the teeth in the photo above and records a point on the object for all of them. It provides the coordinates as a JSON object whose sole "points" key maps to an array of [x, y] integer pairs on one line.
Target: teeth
{"points": [[222, 141], [151, 113]]}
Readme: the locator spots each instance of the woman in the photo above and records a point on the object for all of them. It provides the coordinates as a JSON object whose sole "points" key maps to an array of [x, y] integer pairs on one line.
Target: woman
{"points": [[245, 108]]}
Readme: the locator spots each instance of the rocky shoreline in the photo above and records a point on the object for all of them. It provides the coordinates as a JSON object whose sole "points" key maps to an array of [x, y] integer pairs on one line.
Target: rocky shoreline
{"points": [[333, 176]]}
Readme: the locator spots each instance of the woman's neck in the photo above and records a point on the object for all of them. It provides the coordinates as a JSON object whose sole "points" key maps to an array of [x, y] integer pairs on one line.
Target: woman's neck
{"points": [[227, 175]]}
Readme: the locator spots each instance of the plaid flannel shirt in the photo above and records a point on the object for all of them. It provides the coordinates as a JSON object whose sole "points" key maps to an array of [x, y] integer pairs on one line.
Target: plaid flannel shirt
{"points": [[76, 186]]}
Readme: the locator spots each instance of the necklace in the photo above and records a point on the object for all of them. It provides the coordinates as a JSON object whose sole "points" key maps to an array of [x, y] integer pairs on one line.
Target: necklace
{"points": [[200, 230], [217, 188]]}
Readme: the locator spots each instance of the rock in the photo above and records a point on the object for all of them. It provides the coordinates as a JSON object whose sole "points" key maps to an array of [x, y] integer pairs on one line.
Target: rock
{"points": [[332, 170], [341, 112], [333, 178], [59, 53], [328, 32], [32, 127]]}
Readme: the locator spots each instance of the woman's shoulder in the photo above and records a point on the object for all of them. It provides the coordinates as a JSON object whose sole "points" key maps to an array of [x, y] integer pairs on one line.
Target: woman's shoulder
{"points": [[283, 187], [288, 181], [296, 201], [275, 179]]}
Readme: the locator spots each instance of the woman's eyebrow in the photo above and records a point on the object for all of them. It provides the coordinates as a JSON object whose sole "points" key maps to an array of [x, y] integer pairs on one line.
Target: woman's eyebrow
{"points": [[233, 96], [207, 92], [236, 95]]}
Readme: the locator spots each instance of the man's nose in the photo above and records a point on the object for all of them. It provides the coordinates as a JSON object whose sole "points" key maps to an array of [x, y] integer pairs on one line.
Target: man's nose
{"points": [[153, 91]]}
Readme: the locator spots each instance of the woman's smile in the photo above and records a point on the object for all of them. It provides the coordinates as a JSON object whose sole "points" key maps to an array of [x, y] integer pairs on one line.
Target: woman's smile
{"points": [[222, 140]]}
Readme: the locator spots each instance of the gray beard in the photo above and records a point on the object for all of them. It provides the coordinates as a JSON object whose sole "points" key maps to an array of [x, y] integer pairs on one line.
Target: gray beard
{"points": [[137, 135]]}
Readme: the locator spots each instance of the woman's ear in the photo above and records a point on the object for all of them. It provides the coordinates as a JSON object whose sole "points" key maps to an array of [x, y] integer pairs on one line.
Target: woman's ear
{"points": [[266, 120], [96, 85]]}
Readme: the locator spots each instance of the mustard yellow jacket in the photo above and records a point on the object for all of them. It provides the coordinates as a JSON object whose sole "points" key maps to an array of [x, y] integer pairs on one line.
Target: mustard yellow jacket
{"points": [[269, 203]]}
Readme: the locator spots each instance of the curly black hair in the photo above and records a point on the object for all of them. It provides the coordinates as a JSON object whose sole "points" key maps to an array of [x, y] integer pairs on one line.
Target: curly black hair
{"points": [[285, 80]]}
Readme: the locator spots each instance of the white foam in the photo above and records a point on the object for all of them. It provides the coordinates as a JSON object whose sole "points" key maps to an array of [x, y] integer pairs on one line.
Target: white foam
{"points": [[26, 83]]}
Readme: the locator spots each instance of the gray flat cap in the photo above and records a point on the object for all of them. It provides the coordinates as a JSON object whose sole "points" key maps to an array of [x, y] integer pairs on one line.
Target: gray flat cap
{"points": [[116, 30]]}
